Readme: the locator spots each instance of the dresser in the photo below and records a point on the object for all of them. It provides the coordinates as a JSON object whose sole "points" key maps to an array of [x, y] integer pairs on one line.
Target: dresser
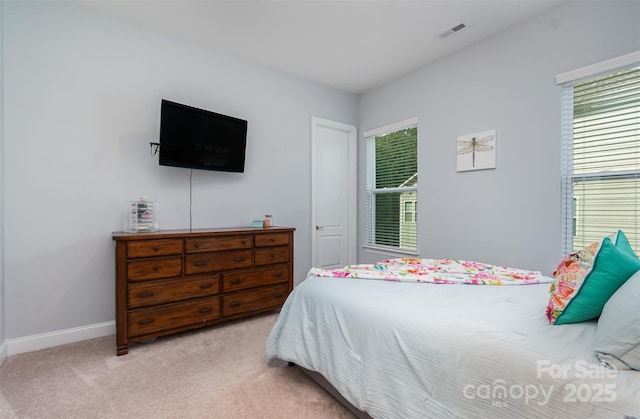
{"points": [[176, 280]]}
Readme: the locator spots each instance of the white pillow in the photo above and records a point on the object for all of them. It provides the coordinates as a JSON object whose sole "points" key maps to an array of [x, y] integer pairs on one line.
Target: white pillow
{"points": [[618, 333]]}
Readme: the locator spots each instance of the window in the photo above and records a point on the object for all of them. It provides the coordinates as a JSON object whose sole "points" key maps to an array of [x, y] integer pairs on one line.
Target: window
{"points": [[601, 158], [410, 211], [392, 186]]}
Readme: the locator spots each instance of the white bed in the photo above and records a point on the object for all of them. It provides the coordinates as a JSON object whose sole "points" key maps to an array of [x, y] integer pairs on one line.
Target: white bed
{"points": [[422, 350]]}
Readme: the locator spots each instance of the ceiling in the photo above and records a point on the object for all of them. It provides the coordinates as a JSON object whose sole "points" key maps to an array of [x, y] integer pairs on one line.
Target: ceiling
{"points": [[353, 45]]}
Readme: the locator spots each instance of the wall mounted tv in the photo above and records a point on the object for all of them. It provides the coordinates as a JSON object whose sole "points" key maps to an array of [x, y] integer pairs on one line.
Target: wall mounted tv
{"points": [[199, 139]]}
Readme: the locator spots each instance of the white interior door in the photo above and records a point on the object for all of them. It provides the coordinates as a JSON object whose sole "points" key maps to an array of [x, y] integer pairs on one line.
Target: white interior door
{"points": [[334, 170]]}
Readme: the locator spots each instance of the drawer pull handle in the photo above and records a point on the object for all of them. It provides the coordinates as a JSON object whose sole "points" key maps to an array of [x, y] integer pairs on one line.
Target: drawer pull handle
{"points": [[243, 242], [236, 281], [206, 285], [146, 294], [235, 304], [156, 248], [200, 263], [196, 245], [239, 259], [278, 274], [272, 239], [272, 255], [146, 321], [206, 310], [278, 295], [156, 268]]}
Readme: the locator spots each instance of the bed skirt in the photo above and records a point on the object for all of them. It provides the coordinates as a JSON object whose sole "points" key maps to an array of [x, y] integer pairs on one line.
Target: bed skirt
{"points": [[318, 378]]}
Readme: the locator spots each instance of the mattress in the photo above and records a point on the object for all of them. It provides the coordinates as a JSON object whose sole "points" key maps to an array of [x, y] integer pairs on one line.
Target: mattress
{"points": [[416, 350]]}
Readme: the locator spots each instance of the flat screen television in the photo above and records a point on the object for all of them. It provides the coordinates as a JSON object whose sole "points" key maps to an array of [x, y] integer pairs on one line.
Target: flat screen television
{"points": [[200, 139]]}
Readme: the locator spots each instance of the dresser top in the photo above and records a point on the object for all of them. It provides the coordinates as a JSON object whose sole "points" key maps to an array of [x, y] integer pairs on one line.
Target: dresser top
{"points": [[198, 232]]}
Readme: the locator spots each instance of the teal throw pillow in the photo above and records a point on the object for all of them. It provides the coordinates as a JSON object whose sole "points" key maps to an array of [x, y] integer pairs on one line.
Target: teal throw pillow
{"points": [[585, 280]]}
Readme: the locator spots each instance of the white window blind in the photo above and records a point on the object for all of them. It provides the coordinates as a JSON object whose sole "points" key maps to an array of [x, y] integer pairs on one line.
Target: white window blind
{"points": [[392, 187], [601, 159]]}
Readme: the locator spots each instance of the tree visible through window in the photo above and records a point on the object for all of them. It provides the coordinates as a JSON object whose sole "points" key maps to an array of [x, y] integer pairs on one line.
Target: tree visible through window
{"points": [[601, 159], [392, 188]]}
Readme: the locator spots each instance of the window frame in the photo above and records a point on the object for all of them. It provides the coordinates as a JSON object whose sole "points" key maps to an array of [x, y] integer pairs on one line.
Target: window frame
{"points": [[569, 203], [369, 138]]}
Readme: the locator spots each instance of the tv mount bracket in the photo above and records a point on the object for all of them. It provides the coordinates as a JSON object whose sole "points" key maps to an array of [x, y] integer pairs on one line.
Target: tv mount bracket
{"points": [[154, 148]]}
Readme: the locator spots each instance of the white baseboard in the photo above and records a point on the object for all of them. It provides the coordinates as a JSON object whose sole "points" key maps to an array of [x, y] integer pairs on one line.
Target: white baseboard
{"points": [[61, 337], [3, 351]]}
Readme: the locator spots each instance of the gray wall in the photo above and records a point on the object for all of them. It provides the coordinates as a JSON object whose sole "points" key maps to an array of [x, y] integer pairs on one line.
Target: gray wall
{"points": [[2, 298], [510, 215], [82, 102]]}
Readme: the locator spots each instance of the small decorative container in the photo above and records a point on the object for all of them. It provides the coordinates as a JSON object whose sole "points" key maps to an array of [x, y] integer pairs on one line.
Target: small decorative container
{"points": [[141, 216], [268, 221]]}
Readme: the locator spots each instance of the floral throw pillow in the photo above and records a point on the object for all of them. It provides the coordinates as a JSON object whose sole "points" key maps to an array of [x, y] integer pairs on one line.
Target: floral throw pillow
{"points": [[585, 280]]}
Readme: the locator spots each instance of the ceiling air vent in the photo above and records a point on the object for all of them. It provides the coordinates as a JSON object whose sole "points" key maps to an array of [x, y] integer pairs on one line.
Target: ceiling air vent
{"points": [[455, 29]]}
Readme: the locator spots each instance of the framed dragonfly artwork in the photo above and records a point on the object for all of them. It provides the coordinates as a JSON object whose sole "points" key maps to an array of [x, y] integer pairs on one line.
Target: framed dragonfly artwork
{"points": [[477, 151]]}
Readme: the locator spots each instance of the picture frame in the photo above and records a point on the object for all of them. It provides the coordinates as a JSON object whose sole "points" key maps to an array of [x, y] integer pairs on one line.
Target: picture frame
{"points": [[476, 151]]}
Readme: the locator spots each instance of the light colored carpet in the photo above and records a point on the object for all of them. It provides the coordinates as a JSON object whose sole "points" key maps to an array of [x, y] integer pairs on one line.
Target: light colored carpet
{"points": [[215, 372]]}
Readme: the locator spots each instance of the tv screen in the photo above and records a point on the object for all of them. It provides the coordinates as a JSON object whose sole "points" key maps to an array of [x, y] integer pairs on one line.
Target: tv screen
{"points": [[200, 139]]}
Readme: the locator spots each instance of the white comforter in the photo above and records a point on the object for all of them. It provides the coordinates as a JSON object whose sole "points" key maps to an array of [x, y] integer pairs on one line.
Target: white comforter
{"points": [[415, 350]]}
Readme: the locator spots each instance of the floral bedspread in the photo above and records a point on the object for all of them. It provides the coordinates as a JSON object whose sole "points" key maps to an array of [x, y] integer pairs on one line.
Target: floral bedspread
{"points": [[436, 271]]}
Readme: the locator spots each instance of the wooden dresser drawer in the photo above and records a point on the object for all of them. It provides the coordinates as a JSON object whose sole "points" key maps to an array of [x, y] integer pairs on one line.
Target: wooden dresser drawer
{"points": [[275, 239], [250, 279], [212, 244], [271, 255], [144, 294], [171, 316], [254, 300], [158, 268], [218, 261], [150, 248]]}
